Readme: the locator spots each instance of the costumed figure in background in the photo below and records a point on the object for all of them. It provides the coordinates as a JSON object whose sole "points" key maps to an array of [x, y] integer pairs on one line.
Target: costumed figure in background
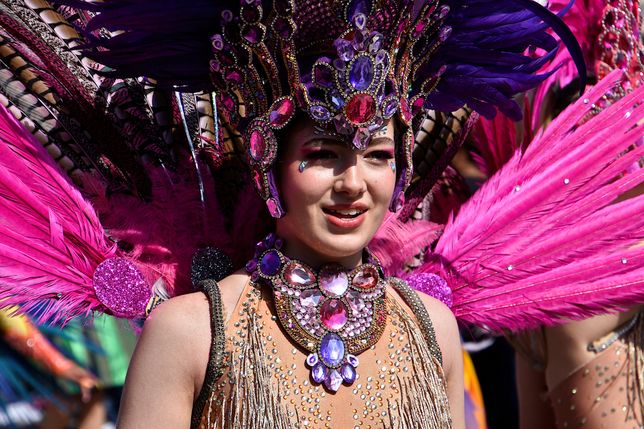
{"points": [[321, 101], [20, 380]]}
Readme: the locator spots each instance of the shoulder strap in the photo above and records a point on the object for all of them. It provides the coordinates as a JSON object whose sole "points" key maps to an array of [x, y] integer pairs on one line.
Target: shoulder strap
{"points": [[417, 307], [215, 367]]}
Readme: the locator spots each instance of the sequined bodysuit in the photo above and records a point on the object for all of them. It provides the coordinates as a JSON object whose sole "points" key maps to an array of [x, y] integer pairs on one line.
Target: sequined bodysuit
{"points": [[257, 378]]}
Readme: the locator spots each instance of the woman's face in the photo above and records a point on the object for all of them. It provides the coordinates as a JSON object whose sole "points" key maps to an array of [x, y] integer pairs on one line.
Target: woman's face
{"points": [[337, 201]]}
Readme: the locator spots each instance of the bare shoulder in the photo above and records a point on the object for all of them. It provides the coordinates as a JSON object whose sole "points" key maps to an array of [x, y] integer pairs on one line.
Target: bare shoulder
{"points": [[446, 328]]}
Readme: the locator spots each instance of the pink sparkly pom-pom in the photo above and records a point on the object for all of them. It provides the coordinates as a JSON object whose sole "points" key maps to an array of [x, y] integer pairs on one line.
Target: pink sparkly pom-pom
{"points": [[121, 287], [433, 285]]}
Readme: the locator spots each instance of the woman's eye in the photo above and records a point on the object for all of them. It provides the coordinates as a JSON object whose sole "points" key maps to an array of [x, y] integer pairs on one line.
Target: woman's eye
{"points": [[381, 155]]}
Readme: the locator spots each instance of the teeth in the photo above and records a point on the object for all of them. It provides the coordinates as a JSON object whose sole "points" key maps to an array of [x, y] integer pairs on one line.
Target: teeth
{"points": [[352, 212]]}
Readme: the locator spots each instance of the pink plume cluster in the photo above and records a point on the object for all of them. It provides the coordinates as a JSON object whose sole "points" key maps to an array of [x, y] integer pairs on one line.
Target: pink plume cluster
{"points": [[52, 239], [544, 239]]}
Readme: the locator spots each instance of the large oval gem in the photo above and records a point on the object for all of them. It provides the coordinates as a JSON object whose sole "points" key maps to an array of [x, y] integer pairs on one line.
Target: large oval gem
{"points": [[281, 113], [361, 109], [333, 280], [257, 145], [366, 278], [333, 314], [332, 349], [270, 263], [298, 274], [361, 73]]}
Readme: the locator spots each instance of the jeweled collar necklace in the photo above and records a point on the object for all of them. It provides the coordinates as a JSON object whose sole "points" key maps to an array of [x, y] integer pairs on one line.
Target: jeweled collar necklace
{"points": [[333, 313]]}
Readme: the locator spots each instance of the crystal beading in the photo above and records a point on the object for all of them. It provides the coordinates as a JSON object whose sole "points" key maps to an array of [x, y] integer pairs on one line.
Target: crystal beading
{"points": [[333, 313]]}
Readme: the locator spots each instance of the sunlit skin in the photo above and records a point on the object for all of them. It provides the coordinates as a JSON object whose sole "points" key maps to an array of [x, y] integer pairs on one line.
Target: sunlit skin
{"points": [[337, 179]]}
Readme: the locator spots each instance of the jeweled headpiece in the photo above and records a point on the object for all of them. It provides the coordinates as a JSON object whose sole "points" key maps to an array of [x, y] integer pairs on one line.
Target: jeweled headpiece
{"points": [[351, 65]]}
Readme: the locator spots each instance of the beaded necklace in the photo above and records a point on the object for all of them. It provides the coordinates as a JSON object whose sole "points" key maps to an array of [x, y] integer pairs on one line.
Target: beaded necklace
{"points": [[333, 313]]}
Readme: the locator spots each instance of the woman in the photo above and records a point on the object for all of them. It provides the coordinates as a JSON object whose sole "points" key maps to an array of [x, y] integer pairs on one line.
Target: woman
{"points": [[364, 73], [319, 227]]}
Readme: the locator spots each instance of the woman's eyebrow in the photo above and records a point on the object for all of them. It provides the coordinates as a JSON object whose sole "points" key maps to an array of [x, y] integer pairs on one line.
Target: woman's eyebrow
{"points": [[382, 140], [324, 140]]}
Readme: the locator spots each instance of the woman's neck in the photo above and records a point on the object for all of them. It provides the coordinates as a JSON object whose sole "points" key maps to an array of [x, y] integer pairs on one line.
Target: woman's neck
{"points": [[297, 250]]}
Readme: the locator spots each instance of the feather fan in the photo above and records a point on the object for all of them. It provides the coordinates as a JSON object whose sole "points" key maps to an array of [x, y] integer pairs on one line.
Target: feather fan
{"points": [[543, 240]]}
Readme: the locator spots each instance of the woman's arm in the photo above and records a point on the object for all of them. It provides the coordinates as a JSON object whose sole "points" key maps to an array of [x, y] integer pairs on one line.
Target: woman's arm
{"points": [[168, 365], [534, 411], [449, 341]]}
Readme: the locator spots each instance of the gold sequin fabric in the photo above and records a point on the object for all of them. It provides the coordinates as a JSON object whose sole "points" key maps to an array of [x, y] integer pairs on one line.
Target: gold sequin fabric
{"points": [[264, 383], [607, 392]]}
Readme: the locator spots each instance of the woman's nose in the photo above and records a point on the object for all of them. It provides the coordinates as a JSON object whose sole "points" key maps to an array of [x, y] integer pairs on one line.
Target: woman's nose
{"points": [[351, 181]]}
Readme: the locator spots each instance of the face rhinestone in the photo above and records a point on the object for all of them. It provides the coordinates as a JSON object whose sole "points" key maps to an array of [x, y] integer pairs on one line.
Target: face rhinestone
{"points": [[310, 298], [361, 73], [270, 263], [361, 108], [333, 314], [332, 349], [333, 280], [298, 274]]}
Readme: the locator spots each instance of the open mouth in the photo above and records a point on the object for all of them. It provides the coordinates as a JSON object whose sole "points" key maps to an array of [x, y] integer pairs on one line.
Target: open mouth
{"points": [[344, 214]]}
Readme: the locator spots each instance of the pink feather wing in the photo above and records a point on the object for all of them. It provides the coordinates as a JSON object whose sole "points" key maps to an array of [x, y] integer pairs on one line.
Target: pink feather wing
{"points": [[543, 240]]}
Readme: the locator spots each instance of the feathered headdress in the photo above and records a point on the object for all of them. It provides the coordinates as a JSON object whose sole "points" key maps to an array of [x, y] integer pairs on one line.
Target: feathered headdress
{"points": [[351, 65]]}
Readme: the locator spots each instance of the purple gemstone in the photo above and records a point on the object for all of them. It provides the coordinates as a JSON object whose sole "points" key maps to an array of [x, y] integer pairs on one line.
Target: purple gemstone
{"points": [[355, 301], [362, 138], [318, 373], [390, 107], [312, 359], [320, 113], [274, 208], [121, 287], [217, 42], [361, 73], [444, 33], [348, 373], [360, 20], [358, 6], [252, 33], [310, 298], [374, 42], [353, 360], [333, 380], [339, 64], [269, 240], [282, 112], [323, 76], [382, 57], [333, 314], [332, 349], [270, 263], [336, 99], [283, 27], [333, 280], [444, 10], [345, 49], [251, 266]]}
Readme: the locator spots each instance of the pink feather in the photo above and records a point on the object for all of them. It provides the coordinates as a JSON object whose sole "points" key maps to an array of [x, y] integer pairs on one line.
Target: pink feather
{"points": [[52, 238], [543, 240]]}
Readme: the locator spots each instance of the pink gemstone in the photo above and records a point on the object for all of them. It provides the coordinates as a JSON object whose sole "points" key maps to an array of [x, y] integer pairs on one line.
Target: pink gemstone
{"points": [[355, 301], [333, 314], [257, 145], [282, 112], [361, 108], [298, 275], [333, 280], [310, 298], [367, 278], [404, 110], [258, 180]]}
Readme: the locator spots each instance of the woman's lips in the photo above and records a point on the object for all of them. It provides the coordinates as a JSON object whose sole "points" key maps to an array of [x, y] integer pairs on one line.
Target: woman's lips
{"points": [[345, 218]]}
